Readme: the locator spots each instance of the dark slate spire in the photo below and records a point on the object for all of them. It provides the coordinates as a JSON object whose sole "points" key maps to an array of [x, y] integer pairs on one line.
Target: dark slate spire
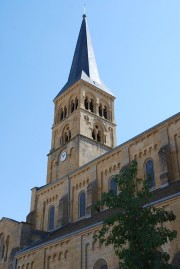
{"points": [[84, 59], [84, 63]]}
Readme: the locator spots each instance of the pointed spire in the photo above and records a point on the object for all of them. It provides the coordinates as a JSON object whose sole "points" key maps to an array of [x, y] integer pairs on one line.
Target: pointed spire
{"points": [[84, 63], [84, 59]]}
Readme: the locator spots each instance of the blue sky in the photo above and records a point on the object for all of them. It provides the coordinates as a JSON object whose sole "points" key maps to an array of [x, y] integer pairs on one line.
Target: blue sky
{"points": [[137, 48]]}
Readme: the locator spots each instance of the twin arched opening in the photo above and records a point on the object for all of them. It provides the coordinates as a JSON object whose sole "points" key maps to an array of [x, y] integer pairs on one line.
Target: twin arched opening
{"points": [[66, 135], [101, 109], [98, 133], [74, 104], [89, 104], [63, 112]]}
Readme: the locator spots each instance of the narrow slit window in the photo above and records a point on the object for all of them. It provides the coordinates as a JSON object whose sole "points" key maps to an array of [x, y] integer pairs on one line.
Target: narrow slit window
{"points": [[51, 218], [149, 170], [82, 204]]}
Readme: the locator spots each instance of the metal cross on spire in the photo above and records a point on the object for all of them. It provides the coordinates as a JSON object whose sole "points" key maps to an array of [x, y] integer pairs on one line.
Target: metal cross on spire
{"points": [[84, 9]]}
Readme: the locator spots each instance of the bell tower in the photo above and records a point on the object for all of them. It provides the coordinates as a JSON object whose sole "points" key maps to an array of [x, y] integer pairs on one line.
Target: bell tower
{"points": [[84, 125]]}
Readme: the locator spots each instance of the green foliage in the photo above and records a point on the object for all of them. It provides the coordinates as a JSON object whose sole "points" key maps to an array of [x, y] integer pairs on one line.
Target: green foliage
{"points": [[135, 230]]}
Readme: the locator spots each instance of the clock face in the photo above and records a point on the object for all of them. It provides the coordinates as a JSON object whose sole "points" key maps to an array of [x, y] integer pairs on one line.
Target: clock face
{"points": [[63, 156]]}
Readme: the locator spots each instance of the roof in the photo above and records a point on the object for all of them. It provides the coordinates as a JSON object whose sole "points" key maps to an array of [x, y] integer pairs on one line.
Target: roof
{"points": [[159, 195], [84, 65], [124, 144]]}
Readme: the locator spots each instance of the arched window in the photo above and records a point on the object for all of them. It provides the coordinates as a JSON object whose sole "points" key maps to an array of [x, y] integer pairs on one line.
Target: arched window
{"points": [[66, 254], [1, 246], [6, 247], [100, 110], [91, 105], [113, 185], [149, 172], [63, 211], [61, 114], [65, 112], [51, 218], [66, 137], [86, 103], [87, 251], [49, 262], [2, 251], [105, 112], [82, 204], [72, 106], [100, 264], [66, 134]]}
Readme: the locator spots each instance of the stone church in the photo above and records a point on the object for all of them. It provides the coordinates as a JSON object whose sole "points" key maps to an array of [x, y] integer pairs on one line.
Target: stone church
{"points": [[82, 162]]}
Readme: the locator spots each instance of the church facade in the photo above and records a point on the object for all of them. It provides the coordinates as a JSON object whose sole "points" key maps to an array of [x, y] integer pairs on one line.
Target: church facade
{"points": [[82, 162]]}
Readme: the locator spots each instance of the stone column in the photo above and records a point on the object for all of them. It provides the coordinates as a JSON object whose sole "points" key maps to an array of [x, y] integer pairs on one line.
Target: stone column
{"points": [[96, 108]]}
